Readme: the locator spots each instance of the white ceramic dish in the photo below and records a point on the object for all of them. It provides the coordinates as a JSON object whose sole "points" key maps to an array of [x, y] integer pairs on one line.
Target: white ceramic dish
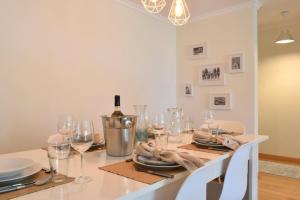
{"points": [[10, 167], [158, 167], [30, 171]]}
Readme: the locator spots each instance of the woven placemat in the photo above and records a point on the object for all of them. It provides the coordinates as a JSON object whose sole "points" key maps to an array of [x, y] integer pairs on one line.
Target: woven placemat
{"points": [[128, 170], [33, 189], [195, 147]]}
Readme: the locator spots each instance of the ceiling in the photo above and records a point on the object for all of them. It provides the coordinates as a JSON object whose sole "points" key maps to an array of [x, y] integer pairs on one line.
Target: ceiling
{"points": [[201, 7], [269, 13]]}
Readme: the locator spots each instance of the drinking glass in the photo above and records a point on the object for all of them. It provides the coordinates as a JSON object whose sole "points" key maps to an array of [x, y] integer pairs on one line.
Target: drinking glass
{"points": [[158, 122], [208, 116], [81, 140], [213, 129], [58, 155], [160, 136]]}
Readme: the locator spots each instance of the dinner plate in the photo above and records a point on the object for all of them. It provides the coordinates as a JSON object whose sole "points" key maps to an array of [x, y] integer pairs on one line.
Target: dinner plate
{"points": [[208, 144], [25, 173], [154, 167], [10, 167]]}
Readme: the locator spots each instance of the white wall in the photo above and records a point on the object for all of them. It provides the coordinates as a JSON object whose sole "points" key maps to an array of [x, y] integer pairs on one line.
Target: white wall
{"points": [[229, 33], [279, 86], [71, 57]]}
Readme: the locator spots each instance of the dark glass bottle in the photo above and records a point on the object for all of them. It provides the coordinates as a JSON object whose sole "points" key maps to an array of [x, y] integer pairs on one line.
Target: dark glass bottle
{"points": [[117, 112]]}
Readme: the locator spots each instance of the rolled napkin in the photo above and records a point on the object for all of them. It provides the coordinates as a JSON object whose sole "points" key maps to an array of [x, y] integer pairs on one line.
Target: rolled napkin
{"points": [[226, 140], [184, 159]]}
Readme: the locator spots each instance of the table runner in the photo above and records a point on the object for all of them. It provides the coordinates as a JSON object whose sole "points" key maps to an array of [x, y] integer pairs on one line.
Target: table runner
{"points": [[195, 147], [127, 169], [32, 189]]}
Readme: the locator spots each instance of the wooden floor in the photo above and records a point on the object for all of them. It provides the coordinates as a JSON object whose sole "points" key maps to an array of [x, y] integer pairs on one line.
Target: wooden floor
{"points": [[273, 187]]}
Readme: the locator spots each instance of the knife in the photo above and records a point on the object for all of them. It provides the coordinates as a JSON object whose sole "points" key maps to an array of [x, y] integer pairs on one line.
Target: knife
{"points": [[19, 186], [15, 187], [155, 173]]}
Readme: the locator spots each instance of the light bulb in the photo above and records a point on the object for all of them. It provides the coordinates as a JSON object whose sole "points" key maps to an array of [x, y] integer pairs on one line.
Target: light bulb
{"points": [[178, 8]]}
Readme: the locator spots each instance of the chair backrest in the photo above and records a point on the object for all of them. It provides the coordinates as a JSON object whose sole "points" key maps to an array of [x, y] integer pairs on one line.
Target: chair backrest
{"points": [[236, 178], [230, 126]]}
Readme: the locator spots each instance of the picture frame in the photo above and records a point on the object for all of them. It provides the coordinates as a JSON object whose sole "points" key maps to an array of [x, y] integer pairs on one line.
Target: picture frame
{"points": [[188, 90], [236, 63], [220, 101], [212, 75], [197, 51]]}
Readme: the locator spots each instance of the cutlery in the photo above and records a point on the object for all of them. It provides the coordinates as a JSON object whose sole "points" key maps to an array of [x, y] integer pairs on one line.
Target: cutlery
{"points": [[20, 186], [162, 174], [218, 149]]}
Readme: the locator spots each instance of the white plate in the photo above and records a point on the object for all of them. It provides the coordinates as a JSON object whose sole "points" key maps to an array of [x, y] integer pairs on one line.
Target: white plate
{"points": [[158, 167], [13, 166], [30, 171], [208, 144]]}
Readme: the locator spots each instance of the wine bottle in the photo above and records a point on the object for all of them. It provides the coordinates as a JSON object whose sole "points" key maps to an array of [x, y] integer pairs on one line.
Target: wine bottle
{"points": [[117, 112]]}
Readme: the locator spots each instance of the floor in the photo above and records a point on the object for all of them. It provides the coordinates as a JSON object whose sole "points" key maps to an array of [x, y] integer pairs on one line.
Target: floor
{"points": [[273, 187]]}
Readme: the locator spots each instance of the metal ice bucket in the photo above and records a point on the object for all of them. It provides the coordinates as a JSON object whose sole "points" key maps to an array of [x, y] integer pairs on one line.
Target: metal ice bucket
{"points": [[119, 133]]}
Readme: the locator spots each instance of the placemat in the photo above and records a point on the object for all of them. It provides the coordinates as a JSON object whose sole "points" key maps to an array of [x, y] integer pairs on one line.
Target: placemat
{"points": [[127, 169], [195, 147], [32, 189]]}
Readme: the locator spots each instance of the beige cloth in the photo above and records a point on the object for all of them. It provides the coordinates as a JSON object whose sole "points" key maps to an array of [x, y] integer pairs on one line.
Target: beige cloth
{"points": [[184, 159], [226, 140]]}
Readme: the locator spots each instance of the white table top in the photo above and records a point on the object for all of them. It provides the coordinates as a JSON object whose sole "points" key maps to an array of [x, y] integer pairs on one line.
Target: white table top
{"points": [[106, 185]]}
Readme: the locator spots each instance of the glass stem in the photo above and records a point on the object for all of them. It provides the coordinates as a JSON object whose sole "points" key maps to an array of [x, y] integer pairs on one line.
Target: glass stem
{"points": [[82, 164]]}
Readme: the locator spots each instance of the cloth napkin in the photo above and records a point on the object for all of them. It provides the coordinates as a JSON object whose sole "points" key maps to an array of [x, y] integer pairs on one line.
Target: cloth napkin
{"points": [[226, 140], [184, 159]]}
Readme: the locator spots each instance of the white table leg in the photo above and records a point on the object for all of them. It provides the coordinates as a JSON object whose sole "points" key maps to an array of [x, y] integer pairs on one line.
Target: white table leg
{"points": [[253, 174]]}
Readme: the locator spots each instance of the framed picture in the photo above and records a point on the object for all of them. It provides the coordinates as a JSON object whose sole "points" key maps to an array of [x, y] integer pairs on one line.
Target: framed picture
{"points": [[188, 90], [220, 101], [236, 63], [197, 51], [211, 75]]}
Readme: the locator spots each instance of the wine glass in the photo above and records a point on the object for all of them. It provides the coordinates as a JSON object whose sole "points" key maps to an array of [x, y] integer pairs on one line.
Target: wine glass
{"points": [[66, 125], [81, 140]]}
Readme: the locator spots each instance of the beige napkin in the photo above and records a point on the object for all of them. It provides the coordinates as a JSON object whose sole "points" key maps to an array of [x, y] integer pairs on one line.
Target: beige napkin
{"points": [[224, 139], [184, 159]]}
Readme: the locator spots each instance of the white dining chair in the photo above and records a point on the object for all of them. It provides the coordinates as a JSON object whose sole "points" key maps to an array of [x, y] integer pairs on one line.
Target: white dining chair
{"points": [[235, 182], [230, 126]]}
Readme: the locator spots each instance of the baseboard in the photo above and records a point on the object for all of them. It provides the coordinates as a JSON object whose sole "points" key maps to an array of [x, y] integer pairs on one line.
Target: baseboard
{"points": [[281, 159]]}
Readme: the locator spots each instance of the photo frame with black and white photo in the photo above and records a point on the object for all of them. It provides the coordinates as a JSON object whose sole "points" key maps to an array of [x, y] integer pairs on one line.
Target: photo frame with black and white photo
{"points": [[188, 90], [197, 51], [236, 63], [220, 101], [211, 75]]}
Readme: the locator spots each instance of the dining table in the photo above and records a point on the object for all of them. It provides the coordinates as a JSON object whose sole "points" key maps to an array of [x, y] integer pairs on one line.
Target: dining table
{"points": [[107, 185]]}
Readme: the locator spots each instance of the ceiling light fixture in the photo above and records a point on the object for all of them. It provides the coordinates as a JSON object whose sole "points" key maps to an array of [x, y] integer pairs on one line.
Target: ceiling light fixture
{"points": [[285, 37], [154, 6], [179, 13]]}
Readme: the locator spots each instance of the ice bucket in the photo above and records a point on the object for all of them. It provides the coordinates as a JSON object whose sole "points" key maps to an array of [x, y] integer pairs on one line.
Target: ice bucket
{"points": [[119, 133]]}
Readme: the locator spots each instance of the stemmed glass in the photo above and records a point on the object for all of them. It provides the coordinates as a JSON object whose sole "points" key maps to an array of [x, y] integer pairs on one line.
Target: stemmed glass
{"points": [[66, 125], [81, 140]]}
